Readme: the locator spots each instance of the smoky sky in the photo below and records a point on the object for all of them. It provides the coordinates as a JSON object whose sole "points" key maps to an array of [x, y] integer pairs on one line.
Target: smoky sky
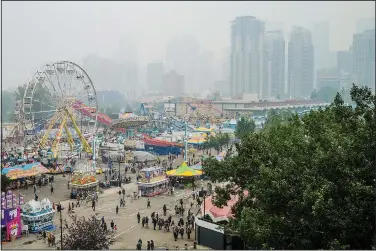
{"points": [[36, 33]]}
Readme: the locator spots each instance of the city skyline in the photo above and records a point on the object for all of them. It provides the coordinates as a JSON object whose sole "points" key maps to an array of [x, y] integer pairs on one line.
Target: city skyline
{"points": [[209, 59]]}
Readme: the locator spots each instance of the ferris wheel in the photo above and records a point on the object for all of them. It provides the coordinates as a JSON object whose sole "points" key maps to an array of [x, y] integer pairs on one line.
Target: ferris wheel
{"points": [[60, 97]]}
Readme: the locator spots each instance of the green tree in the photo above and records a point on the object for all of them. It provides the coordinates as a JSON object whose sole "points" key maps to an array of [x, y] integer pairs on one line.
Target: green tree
{"points": [[86, 234], [5, 182], [43, 99], [325, 94], [8, 102], [244, 127], [311, 181], [277, 117]]}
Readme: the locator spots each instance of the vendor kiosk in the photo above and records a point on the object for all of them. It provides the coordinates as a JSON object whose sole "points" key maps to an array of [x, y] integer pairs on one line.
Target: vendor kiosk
{"points": [[152, 181]]}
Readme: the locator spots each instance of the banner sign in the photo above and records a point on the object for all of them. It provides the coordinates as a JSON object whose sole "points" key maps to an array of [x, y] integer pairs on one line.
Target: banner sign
{"points": [[10, 214], [3, 201], [12, 217], [9, 199]]}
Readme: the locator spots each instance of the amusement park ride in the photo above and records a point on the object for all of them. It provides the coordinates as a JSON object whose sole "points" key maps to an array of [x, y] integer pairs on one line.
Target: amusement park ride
{"points": [[67, 114], [49, 121]]}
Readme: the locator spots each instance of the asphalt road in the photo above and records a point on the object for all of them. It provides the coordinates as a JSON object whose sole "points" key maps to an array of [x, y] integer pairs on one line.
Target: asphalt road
{"points": [[128, 230]]}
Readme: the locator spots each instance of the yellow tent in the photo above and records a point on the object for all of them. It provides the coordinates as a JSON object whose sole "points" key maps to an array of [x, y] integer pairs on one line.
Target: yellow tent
{"points": [[184, 171]]}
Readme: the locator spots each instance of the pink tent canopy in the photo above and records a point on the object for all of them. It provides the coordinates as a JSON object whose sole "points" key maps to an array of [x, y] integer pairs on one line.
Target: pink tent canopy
{"points": [[219, 214]]}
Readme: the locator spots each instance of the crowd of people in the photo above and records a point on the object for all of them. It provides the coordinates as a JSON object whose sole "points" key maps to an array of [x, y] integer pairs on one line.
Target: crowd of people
{"points": [[184, 226]]}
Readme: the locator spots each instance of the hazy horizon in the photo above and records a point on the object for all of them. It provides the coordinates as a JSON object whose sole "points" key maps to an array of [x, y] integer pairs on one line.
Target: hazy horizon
{"points": [[36, 33]]}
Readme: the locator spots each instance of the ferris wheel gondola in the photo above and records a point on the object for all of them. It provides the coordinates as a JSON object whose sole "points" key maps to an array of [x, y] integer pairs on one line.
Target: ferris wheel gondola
{"points": [[53, 99]]}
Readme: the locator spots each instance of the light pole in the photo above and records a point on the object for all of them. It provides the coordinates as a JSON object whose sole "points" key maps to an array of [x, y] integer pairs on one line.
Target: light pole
{"points": [[185, 140], [119, 158], [59, 209]]}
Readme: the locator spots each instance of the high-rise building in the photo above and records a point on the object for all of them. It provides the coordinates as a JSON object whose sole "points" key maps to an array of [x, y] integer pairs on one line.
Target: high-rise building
{"points": [[344, 61], [173, 84], [364, 58], [183, 56], [155, 74], [364, 24], [320, 41], [274, 65], [300, 63], [246, 63]]}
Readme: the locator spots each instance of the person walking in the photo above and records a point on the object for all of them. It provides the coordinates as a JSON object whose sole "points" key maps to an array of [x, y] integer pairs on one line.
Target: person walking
{"points": [[138, 217], [164, 210], [152, 245], [35, 188], [112, 224], [117, 209], [93, 205], [154, 222], [52, 189], [148, 204], [175, 233], [148, 246], [139, 244]]}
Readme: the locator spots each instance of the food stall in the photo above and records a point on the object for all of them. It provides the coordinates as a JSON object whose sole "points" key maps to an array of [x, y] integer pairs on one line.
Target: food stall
{"points": [[38, 215], [83, 183], [152, 181]]}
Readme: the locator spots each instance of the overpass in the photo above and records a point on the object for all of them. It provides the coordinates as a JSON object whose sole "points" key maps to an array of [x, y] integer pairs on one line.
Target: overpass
{"points": [[262, 108]]}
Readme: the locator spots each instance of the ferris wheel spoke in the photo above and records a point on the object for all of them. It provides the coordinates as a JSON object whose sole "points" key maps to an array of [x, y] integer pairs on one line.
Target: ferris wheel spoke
{"points": [[54, 93], [58, 69]]}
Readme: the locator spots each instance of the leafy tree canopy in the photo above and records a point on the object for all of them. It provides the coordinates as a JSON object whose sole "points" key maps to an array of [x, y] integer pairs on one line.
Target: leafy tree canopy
{"points": [[86, 234], [5, 182], [8, 102], [244, 127], [311, 181], [325, 94]]}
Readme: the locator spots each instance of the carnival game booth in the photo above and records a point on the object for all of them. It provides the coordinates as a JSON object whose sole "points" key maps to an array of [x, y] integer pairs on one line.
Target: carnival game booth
{"points": [[152, 181], [83, 184], [183, 176], [38, 215]]}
